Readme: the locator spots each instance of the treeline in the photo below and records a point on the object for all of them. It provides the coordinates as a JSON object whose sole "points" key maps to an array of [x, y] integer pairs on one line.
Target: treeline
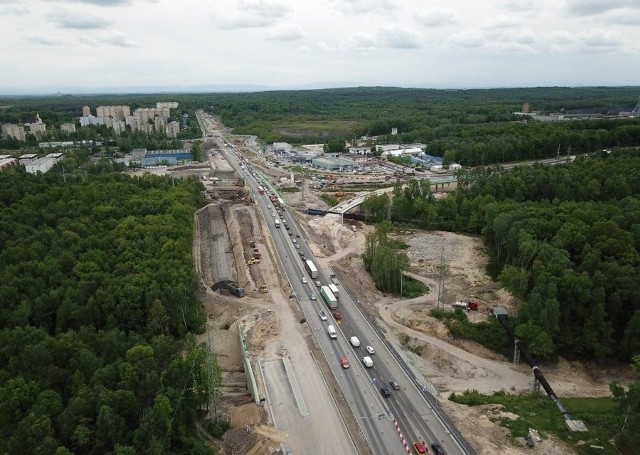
{"points": [[565, 239], [98, 300], [476, 127]]}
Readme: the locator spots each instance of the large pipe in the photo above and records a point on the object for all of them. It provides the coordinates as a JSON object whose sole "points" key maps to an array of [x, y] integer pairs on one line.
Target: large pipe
{"points": [[537, 373]]}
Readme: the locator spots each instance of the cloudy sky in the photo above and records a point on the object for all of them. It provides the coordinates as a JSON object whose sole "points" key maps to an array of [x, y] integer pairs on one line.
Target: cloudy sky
{"points": [[81, 45]]}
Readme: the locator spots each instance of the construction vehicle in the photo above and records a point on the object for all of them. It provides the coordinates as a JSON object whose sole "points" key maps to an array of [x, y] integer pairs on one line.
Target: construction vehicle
{"points": [[470, 305], [228, 287], [263, 289], [253, 261]]}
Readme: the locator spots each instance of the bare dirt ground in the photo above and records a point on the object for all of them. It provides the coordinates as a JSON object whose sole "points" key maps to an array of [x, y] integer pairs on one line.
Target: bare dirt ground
{"points": [[450, 365]]}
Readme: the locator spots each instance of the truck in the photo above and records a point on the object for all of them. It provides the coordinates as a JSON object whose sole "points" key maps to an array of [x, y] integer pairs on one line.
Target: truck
{"points": [[277, 222], [311, 268], [328, 297], [256, 253], [334, 289], [228, 287], [470, 305]]}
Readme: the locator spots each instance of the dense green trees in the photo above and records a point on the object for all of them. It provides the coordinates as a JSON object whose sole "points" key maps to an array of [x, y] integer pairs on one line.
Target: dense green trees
{"points": [[384, 261], [98, 297]]}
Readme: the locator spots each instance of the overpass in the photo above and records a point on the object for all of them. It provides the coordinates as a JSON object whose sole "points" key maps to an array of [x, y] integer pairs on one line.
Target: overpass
{"points": [[347, 205]]}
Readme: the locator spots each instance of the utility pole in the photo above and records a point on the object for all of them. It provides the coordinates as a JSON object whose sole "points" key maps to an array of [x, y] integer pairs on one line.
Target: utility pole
{"points": [[441, 281]]}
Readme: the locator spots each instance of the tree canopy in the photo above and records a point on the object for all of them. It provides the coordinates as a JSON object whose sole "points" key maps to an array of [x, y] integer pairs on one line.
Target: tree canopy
{"points": [[98, 299]]}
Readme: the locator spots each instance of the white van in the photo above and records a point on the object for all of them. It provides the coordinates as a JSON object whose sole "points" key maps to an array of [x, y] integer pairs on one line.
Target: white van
{"points": [[354, 342], [367, 362], [332, 332]]}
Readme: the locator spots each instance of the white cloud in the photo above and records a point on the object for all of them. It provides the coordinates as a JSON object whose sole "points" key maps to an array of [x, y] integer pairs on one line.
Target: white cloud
{"points": [[399, 38], [437, 17], [239, 22], [466, 39], [502, 21], [14, 10], [594, 7], [116, 39], [264, 8], [45, 41], [360, 42], [598, 40], [81, 21], [285, 33]]}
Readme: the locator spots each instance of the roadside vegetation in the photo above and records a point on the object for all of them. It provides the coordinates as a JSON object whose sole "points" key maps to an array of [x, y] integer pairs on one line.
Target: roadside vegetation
{"points": [[538, 412]]}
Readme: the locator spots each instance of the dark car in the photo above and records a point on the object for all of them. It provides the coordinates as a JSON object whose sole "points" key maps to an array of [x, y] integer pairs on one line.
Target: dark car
{"points": [[385, 392], [437, 449]]}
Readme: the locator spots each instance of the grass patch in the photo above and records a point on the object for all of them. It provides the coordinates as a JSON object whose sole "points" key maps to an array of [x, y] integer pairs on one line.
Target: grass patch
{"points": [[538, 412], [330, 200], [489, 333], [289, 189], [413, 288]]}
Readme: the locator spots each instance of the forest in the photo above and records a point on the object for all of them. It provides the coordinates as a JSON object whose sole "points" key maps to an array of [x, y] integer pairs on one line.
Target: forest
{"points": [[99, 308]]}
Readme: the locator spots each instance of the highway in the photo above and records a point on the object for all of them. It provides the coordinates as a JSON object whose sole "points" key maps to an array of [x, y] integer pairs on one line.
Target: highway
{"points": [[410, 411]]}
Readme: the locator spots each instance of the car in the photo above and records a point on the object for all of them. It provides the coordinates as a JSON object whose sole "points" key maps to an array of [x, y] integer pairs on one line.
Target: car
{"points": [[301, 253], [290, 234], [370, 350], [297, 245], [394, 385], [344, 361], [354, 342], [268, 206], [420, 448], [297, 235], [318, 283], [367, 362], [336, 314], [287, 228], [304, 280], [312, 296], [437, 449], [323, 315], [385, 391], [294, 240]]}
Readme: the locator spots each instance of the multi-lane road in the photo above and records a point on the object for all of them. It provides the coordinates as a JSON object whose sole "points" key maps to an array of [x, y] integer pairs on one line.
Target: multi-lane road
{"points": [[390, 424]]}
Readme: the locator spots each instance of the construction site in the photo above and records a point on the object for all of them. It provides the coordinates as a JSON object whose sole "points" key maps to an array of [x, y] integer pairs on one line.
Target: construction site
{"points": [[247, 299]]}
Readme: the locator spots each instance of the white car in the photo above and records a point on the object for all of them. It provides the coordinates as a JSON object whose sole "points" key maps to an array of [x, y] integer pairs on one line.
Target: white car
{"points": [[323, 315], [367, 362], [370, 350], [354, 342], [268, 206], [304, 280], [294, 240]]}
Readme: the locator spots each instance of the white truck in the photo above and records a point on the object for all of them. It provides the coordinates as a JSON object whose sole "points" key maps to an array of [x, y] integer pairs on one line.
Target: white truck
{"points": [[367, 361], [334, 290], [331, 330], [355, 342]]}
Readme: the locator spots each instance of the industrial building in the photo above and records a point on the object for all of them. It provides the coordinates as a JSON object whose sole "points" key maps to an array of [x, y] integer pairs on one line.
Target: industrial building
{"points": [[333, 164], [165, 157], [7, 161], [43, 164]]}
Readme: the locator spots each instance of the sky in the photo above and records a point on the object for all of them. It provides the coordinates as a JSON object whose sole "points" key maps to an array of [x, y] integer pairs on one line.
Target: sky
{"points": [[76, 46]]}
